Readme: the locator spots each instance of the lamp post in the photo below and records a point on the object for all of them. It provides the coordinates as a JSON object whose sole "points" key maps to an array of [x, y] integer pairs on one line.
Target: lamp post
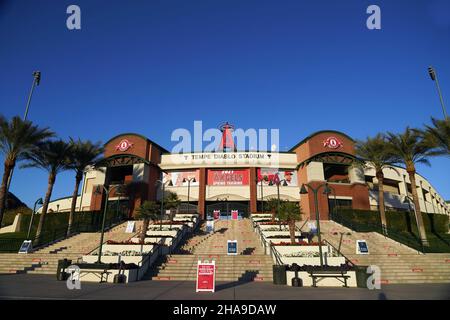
{"points": [[189, 188], [107, 190], [38, 201], [36, 81], [433, 77], [326, 191], [162, 201]]}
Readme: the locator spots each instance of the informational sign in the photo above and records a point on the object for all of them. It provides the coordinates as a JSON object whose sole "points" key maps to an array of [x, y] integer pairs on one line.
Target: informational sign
{"points": [[216, 214], [267, 175], [206, 276], [361, 247], [130, 227], [232, 247], [210, 226], [26, 246], [228, 177], [312, 227], [234, 214]]}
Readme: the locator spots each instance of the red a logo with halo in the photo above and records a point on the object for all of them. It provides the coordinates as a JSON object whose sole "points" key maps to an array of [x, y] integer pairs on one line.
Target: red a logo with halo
{"points": [[124, 145], [332, 143]]}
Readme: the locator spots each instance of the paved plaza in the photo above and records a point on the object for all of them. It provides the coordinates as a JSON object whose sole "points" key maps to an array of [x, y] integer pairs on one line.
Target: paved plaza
{"points": [[43, 287]]}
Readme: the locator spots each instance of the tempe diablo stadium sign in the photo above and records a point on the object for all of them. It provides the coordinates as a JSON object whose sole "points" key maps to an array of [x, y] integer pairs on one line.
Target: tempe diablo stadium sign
{"points": [[124, 145]]}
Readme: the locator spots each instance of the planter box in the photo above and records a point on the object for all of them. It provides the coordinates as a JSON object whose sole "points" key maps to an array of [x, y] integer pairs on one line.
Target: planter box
{"points": [[124, 247], [326, 282], [164, 241], [292, 249], [263, 227], [166, 227], [331, 261], [157, 233], [114, 259], [280, 233]]}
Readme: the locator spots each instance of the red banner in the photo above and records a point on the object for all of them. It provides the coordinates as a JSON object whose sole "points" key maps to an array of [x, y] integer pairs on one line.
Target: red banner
{"points": [[228, 177], [206, 276]]}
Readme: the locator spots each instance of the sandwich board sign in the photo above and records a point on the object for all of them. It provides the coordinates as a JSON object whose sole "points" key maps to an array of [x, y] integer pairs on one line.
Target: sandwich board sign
{"points": [[234, 214], [206, 276], [25, 247], [210, 226], [130, 227], [232, 247], [361, 247], [312, 227]]}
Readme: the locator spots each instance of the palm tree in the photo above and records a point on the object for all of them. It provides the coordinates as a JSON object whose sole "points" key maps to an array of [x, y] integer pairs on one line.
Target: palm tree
{"points": [[290, 212], [83, 154], [16, 138], [171, 201], [149, 210], [272, 204], [439, 135], [375, 152], [409, 148], [51, 156]]}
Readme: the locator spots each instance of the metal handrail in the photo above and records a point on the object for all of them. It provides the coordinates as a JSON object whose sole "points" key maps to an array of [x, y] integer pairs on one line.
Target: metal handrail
{"points": [[339, 252], [383, 230], [275, 253]]}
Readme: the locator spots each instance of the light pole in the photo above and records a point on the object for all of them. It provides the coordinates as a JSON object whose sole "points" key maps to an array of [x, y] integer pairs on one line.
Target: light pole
{"points": [[107, 190], [189, 188], [162, 202], [38, 201], [326, 191], [36, 81], [433, 77]]}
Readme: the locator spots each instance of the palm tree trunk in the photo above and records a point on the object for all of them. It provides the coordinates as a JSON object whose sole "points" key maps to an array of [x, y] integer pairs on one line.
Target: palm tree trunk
{"points": [[78, 178], [51, 183], [9, 165], [380, 177], [292, 230], [417, 211], [144, 230]]}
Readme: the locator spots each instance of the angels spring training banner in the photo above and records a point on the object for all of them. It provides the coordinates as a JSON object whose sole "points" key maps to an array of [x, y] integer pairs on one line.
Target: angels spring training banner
{"points": [[269, 173], [228, 177]]}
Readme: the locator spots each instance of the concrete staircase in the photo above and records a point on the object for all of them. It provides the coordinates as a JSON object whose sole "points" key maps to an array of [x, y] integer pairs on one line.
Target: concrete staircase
{"points": [[45, 260], [398, 263], [251, 264]]}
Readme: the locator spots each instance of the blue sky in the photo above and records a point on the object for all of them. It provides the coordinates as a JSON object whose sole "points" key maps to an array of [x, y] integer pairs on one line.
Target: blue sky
{"points": [[153, 66]]}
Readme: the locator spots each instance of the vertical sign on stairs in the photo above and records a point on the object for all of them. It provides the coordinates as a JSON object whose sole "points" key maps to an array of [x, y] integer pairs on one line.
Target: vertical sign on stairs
{"points": [[206, 276], [231, 247]]}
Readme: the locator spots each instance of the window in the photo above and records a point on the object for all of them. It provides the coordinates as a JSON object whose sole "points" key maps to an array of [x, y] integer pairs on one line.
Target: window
{"points": [[340, 204], [336, 173]]}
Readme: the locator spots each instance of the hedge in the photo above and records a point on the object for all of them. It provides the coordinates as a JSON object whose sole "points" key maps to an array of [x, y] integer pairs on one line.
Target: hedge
{"points": [[401, 221]]}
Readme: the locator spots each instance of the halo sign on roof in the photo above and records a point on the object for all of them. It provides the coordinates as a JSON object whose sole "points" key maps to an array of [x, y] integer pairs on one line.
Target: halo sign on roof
{"points": [[332, 143], [124, 145]]}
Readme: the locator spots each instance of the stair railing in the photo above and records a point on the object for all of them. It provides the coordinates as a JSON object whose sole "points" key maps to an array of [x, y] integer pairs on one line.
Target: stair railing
{"points": [[386, 231]]}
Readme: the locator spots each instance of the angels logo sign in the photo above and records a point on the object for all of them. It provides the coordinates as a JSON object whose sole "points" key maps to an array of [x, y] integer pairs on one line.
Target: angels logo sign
{"points": [[332, 143], [124, 145]]}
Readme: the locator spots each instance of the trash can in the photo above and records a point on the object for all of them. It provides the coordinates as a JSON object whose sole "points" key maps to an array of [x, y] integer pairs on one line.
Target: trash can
{"points": [[361, 276], [279, 274], [61, 273], [296, 281], [120, 278]]}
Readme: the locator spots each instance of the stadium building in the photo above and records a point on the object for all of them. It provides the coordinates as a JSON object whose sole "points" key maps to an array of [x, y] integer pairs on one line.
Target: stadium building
{"points": [[229, 179]]}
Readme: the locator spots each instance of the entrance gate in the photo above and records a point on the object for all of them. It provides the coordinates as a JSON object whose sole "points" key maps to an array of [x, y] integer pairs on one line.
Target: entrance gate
{"points": [[225, 209]]}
